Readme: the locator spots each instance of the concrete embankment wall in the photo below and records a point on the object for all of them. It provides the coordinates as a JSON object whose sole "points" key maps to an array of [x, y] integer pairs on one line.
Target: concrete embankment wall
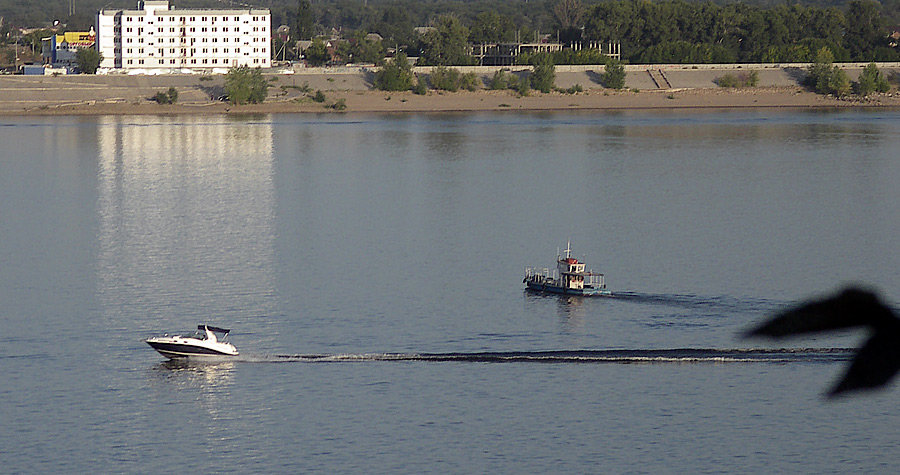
{"points": [[638, 76]]}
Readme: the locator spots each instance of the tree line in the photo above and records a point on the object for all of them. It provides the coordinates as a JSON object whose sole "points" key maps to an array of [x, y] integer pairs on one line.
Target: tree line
{"points": [[668, 31]]}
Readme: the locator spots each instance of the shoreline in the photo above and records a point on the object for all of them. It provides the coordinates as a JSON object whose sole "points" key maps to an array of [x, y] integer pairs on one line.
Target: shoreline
{"points": [[484, 101]]}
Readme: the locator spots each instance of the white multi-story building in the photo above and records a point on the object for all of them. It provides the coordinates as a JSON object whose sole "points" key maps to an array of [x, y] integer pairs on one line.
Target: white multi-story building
{"points": [[156, 36]]}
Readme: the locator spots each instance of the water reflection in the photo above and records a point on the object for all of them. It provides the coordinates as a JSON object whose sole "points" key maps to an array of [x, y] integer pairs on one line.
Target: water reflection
{"points": [[186, 219], [211, 380], [570, 309]]}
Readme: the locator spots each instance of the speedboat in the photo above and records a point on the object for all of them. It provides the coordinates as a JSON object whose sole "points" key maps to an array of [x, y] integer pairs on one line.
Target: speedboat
{"points": [[204, 343]]}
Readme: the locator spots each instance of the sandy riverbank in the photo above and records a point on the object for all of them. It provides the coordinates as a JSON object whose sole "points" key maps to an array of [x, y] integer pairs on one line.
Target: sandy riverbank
{"points": [[382, 102], [120, 94]]}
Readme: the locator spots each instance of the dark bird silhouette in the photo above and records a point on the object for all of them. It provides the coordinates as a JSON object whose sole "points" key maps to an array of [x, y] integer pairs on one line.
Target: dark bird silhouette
{"points": [[875, 363]]}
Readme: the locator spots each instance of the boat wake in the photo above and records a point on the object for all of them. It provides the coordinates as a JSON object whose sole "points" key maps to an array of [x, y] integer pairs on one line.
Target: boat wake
{"points": [[685, 355], [720, 303]]}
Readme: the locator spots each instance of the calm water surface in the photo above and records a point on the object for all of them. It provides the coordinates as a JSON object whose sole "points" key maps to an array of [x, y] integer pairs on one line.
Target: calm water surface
{"points": [[371, 269]]}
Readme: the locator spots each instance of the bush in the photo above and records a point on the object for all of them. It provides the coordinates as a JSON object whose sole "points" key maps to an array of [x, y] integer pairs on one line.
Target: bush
{"points": [[523, 87], [614, 75], [168, 97], [444, 78], [544, 73], [395, 75], [748, 79], [420, 88], [243, 85], [826, 78], [499, 81], [872, 80], [319, 96], [468, 81], [839, 82], [512, 82], [339, 104]]}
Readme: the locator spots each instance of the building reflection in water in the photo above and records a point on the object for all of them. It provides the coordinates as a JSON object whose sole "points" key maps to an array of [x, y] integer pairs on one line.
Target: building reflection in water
{"points": [[186, 208]]}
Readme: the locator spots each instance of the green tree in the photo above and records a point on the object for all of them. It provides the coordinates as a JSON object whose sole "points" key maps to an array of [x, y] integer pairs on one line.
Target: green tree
{"points": [[491, 27], [305, 24], [246, 85], [839, 82], [614, 75], [447, 44], [819, 73], [364, 50], [568, 14], [543, 75], [395, 26], [88, 60], [317, 54], [865, 29], [395, 75], [872, 80]]}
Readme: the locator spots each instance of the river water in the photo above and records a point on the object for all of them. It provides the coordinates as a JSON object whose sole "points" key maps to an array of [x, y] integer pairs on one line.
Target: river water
{"points": [[370, 267]]}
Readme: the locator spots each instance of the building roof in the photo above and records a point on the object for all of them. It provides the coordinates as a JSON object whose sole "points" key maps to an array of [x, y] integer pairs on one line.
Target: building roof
{"points": [[83, 39]]}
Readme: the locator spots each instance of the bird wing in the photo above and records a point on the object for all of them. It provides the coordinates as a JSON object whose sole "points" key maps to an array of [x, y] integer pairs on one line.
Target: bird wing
{"points": [[876, 362], [850, 308]]}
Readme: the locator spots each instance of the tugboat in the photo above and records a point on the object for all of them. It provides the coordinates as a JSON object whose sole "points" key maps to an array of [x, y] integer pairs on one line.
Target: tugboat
{"points": [[568, 278]]}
